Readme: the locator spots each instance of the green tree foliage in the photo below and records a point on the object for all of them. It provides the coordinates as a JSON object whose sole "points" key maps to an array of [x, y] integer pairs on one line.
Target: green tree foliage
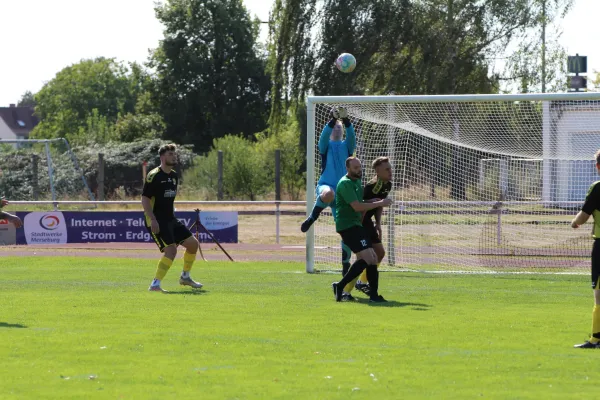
{"points": [[66, 103], [122, 174], [291, 57], [402, 46], [123, 163], [210, 79], [292, 158], [539, 56], [244, 170], [27, 100]]}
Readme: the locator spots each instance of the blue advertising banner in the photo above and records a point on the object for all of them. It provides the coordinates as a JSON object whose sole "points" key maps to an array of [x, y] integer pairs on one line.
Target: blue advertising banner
{"points": [[115, 226]]}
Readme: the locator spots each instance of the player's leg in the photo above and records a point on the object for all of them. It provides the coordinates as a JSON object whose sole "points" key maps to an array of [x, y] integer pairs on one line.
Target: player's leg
{"points": [[185, 238], [362, 283], [594, 341], [373, 277], [357, 240], [346, 256], [325, 197], [166, 245]]}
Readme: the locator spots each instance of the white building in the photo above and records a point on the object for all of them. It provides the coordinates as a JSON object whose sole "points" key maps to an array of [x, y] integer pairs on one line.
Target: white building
{"points": [[571, 134]]}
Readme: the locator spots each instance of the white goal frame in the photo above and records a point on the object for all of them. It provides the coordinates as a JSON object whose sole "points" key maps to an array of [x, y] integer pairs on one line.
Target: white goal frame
{"points": [[311, 133]]}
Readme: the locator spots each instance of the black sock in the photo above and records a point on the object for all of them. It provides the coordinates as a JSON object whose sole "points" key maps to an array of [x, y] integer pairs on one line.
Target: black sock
{"points": [[354, 272], [373, 277], [316, 212]]}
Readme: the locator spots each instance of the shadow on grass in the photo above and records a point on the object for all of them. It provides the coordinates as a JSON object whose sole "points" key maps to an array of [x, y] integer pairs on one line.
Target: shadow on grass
{"points": [[7, 325], [393, 303], [190, 292]]}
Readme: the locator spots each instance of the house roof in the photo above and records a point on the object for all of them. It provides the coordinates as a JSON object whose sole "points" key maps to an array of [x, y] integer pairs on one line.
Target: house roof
{"points": [[21, 120]]}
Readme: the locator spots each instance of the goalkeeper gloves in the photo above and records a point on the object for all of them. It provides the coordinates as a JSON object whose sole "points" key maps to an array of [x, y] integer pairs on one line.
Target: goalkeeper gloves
{"points": [[339, 113], [333, 116], [343, 115]]}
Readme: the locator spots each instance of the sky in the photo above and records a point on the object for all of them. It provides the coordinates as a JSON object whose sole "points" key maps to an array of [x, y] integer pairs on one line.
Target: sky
{"points": [[41, 37]]}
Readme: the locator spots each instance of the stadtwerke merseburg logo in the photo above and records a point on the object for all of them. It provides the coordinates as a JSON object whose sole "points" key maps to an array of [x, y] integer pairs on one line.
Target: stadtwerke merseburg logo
{"points": [[49, 222]]}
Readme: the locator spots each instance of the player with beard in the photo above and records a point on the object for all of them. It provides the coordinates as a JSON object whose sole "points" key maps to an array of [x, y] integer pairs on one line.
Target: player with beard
{"points": [[378, 188], [167, 231], [350, 209]]}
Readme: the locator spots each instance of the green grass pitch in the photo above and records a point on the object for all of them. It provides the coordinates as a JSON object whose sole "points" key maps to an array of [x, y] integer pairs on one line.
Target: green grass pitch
{"points": [[75, 328]]}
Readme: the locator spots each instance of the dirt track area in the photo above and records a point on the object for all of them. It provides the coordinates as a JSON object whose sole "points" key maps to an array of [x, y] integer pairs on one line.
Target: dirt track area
{"points": [[239, 252]]}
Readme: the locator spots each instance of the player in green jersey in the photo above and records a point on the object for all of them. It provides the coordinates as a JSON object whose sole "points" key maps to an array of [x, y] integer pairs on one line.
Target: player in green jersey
{"points": [[350, 208]]}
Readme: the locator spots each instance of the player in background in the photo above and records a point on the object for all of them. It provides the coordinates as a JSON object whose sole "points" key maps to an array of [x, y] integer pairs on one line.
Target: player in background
{"points": [[377, 189], [592, 207], [13, 219], [158, 197], [334, 151], [350, 209]]}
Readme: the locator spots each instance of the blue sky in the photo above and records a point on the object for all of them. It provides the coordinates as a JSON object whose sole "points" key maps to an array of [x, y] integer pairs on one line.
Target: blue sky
{"points": [[41, 37]]}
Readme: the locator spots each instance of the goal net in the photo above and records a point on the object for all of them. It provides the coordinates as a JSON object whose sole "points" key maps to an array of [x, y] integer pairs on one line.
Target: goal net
{"points": [[37, 170], [482, 183]]}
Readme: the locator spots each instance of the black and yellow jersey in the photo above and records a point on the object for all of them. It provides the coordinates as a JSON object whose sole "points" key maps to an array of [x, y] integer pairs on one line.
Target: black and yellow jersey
{"points": [[592, 207], [376, 189], [161, 189]]}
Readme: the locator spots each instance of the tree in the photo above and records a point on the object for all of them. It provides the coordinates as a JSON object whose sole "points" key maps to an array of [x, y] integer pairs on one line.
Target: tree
{"points": [[539, 63], [244, 172], [27, 100], [291, 59], [210, 80], [82, 95]]}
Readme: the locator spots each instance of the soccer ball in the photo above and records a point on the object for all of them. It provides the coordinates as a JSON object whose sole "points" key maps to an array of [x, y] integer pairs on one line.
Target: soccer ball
{"points": [[346, 63]]}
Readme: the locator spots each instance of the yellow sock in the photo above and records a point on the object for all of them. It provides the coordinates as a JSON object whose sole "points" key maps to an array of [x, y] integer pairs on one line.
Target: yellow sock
{"points": [[363, 277], [163, 266], [188, 261], [350, 286], [595, 324]]}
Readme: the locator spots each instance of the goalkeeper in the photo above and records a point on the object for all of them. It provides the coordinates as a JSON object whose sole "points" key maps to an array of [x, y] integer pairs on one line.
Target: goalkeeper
{"points": [[334, 151], [592, 207], [13, 219]]}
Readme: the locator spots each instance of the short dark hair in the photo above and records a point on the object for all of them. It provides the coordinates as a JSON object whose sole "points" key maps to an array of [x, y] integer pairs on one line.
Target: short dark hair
{"points": [[597, 157], [349, 160], [380, 160], [167, 147]]}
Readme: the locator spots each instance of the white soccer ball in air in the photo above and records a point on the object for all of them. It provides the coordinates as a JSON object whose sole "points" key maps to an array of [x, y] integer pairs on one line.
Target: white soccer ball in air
{"points": [[346, 63]]}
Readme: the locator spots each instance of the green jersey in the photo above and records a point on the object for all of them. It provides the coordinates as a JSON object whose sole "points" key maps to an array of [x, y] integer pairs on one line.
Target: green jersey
{"points": [[347, 191], [592, 207]]}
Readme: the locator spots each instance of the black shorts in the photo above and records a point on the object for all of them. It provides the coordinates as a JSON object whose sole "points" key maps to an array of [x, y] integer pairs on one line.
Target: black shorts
{"points": [[371, 231], [171, 232], [596, 264], [356, 239]]}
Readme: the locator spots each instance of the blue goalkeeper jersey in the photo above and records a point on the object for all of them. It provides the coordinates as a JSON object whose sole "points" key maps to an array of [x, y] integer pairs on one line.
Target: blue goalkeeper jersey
{"points": [[334, 154]]}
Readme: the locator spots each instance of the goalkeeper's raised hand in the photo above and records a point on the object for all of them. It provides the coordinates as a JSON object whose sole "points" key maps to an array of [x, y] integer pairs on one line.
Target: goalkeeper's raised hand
{"points": [[343, 115]]}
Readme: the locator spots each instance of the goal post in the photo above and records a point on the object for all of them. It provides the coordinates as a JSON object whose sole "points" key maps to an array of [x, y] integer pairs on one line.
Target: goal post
{"points": [[482, 183]]}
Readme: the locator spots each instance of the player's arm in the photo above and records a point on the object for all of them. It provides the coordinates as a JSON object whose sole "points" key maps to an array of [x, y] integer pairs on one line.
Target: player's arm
{"points": [[325, 135], [350, 140], [148, 192], [13, 219], [592, 202], [361, 207], [378, 214], [349, 195]]}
